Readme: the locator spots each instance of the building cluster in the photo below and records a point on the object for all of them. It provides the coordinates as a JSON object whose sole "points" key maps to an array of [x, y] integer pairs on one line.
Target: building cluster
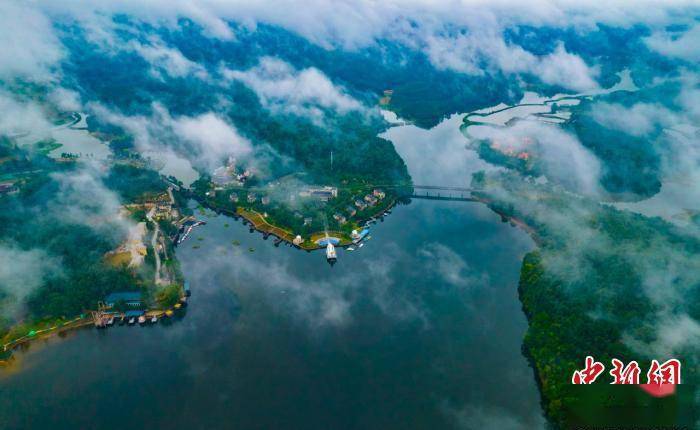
{"points": [[321, 193], [369, 200], [509, 149], [164, 209], [361, 203], [8, 187], [250, 198], [228, 175], [161, 206]]}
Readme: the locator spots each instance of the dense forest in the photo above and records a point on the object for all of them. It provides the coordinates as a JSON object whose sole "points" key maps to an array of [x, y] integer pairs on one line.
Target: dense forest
{"points": [[591, 289], [632, 163], [56, 226]]}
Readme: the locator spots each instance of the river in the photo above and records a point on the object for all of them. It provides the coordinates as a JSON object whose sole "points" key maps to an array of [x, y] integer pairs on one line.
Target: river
{"points": [[420, 328]]}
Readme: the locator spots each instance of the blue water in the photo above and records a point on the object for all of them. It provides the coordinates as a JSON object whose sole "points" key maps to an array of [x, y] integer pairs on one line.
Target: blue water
{"points": [[420, 328]]}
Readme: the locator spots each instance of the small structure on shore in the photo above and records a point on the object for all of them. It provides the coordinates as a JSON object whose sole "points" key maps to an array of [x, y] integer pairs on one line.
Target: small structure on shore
{"points": [[132, 299]]}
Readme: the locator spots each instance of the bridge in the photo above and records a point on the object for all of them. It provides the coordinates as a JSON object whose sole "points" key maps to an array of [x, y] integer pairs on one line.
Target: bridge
{"points": [[435, 192], [427, 192]]}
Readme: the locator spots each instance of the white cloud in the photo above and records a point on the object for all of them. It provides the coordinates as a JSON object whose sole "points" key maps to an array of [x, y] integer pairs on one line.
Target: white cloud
{"points": [[676, 333], [565, 69], [164, 59], [685, 45], [22, 272], [29, 47], [20, 116], [562, 157], [65, 100], [214, 137], [459, 35], [450, 266], [637, 120], [208, 139], [83, 198], [477, 53], [280, 87]]}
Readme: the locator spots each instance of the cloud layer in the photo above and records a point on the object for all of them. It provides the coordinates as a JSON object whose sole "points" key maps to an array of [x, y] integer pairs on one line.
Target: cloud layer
{"points": [[281, 88]]}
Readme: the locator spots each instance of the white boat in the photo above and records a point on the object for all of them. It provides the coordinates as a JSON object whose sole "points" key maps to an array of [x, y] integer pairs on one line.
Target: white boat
{"points": [[142, 319], [132, 320], [154, 319], [360, 245], [350, 248], [110, 321], [331, 255]]}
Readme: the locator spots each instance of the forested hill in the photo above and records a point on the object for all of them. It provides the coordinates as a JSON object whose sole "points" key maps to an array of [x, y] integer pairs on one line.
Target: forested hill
{"points": [[605, 283]]}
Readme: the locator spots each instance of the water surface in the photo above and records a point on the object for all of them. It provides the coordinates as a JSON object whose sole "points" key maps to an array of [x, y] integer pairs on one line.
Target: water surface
{"points": [[420, 328]]}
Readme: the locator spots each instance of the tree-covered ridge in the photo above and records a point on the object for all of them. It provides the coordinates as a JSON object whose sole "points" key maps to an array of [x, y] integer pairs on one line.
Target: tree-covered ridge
{"points": [[58, 228], [631, 159], [604, 282]]}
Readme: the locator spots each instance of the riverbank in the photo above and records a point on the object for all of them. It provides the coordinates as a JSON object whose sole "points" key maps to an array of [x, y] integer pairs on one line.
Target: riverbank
{"points": [[36, 333], [258, 222], [97, 319]]}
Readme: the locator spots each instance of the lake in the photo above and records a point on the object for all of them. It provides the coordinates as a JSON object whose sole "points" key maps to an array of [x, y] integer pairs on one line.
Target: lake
{"points": [[420, 328]]}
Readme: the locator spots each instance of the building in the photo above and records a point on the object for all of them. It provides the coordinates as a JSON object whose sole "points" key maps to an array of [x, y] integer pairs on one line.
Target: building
{"points": [[321, 193], [233, 197], [162, 210], [378, 193], [131, 298], [265, 200], [351, 211], [8, 188], [360, 204], [370, 199], [308, 221], [252, 198], [224, 176], [340, 218], [298, 240]]}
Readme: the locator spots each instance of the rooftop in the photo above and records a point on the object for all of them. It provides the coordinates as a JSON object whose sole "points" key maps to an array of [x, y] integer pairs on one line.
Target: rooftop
{"points": [[127, 296]]}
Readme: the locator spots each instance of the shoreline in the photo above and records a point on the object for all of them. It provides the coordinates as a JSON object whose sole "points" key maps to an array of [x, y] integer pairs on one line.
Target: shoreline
{"points": [[258, 223]]}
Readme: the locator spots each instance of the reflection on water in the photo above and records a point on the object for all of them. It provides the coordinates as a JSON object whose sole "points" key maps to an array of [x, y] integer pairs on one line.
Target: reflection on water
{"points": [[420, 328]]}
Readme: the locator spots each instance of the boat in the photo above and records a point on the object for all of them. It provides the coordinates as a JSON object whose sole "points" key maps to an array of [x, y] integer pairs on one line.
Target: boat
{"points": [[177, 306], [154, 319], [142, 320], [331, 255], [350, 248], [169, 313], [110, 321], [132, 320], [361, 245]]}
